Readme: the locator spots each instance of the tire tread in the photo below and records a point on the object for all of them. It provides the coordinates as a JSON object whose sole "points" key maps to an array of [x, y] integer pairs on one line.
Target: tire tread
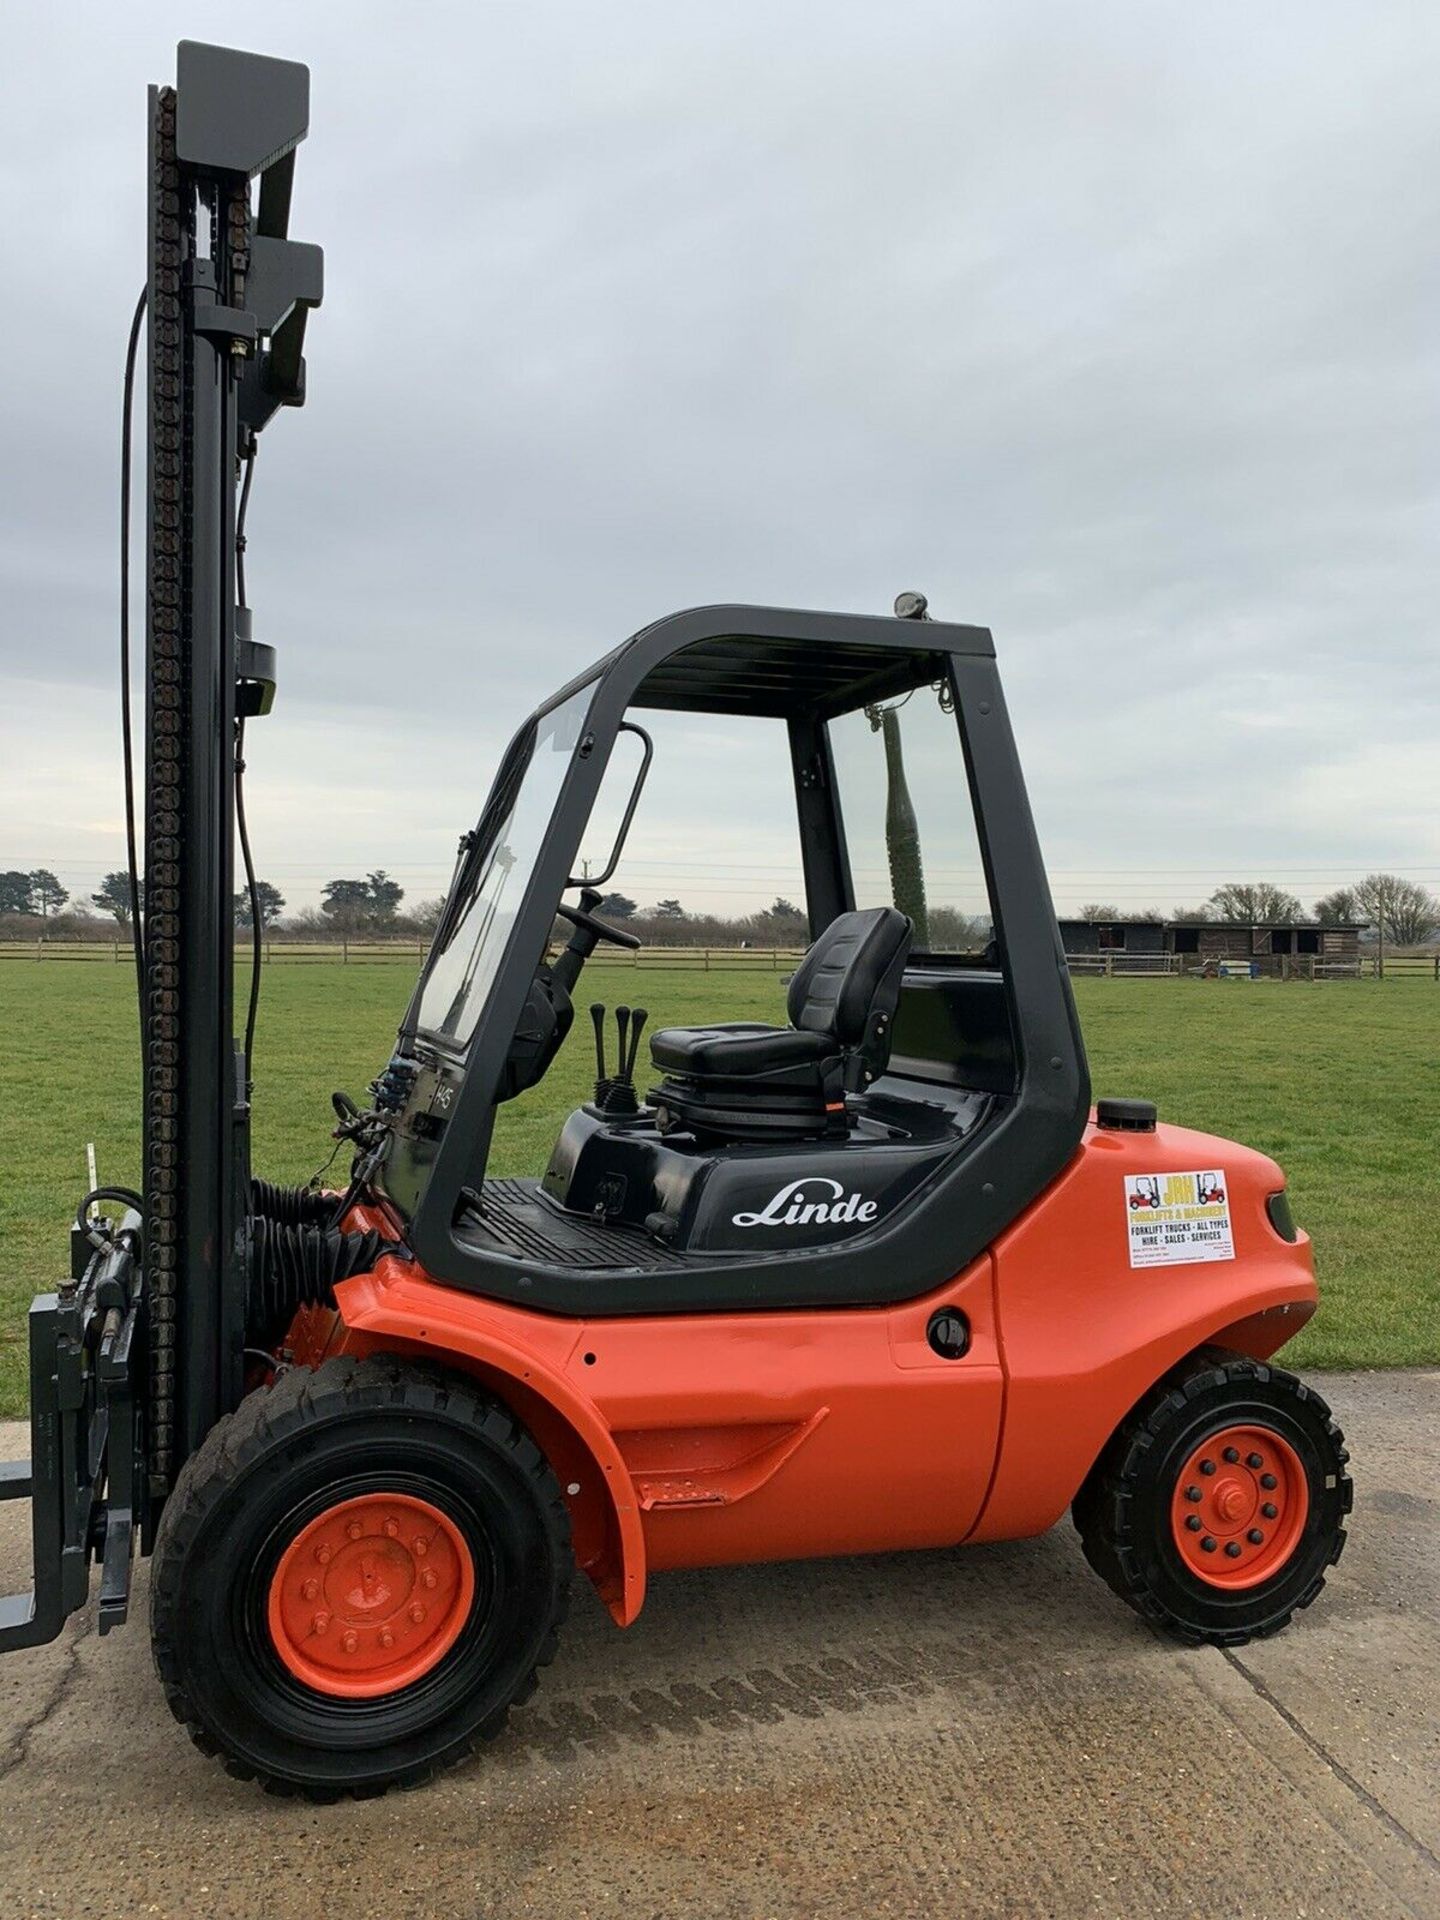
{"points": [[1103, 1508], [300, 1397]]}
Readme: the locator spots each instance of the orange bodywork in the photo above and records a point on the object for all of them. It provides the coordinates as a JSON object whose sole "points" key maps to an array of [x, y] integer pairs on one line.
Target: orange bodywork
{"points": [[694, 1440]]}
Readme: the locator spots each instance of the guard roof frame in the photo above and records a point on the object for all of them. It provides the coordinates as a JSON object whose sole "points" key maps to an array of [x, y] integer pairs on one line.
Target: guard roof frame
{"points": [[1022, 1150]]}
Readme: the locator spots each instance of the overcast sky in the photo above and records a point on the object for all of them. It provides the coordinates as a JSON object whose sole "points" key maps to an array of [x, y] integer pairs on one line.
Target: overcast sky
{"points": [[1114, 328]]}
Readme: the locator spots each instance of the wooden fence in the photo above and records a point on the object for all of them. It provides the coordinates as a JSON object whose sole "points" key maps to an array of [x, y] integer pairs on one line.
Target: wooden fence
{"points": [[275, 952], [700, 959], [1396, 966], [372, 952], [1110, 965], [1116, 965]]}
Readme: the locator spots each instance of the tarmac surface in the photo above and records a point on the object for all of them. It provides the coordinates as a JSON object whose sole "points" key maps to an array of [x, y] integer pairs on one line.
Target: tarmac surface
{"points": [[971, 1733]]}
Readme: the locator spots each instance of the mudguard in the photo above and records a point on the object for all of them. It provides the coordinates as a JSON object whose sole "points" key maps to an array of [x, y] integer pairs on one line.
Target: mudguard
{"points": [[397, 1309]]}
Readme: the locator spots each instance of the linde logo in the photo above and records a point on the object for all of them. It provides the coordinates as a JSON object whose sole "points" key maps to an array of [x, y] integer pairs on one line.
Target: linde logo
{"points": [[794, 1207]]}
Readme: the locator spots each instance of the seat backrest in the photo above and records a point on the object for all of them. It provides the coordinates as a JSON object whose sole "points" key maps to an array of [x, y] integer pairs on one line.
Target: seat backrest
{"points": [[848, 983]]}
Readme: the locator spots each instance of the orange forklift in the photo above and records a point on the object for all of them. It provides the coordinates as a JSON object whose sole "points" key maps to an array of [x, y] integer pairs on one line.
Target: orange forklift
{"points": [[871, 1276]]}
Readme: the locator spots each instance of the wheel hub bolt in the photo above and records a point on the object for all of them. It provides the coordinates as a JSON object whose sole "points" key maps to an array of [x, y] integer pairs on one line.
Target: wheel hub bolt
{"points": [[392, 1527], [1255, 1537], [322, 1554], [310, 1590], [1194, 1523], [1254, 1460], [417, 1613], [1268, 1480], [354, 1530], [428, 1577], [422, 1545], [1192, 1493], [1207, 1466], [387, 1638], [321, 1623], [349, 1642], [1270, 1510], [1207, 1545], [1233, 1549], [1232, 1454]]}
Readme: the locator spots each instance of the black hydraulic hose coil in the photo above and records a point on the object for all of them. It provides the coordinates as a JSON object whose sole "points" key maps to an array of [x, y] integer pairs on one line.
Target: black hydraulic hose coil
{"points": [[299, 1266]]}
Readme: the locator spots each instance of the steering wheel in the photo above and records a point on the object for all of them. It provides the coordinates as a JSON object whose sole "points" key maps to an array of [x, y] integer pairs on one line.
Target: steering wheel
{"points": [[599, 929]]}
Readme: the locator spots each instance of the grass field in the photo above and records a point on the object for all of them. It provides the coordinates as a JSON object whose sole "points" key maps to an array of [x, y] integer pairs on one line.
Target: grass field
{"points": [[1341, 1083]]}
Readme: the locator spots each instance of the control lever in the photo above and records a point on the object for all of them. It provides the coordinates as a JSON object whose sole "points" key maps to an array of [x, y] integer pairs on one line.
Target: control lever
{"points": [[602, 1079], [638, 1017], [620, 1094]]}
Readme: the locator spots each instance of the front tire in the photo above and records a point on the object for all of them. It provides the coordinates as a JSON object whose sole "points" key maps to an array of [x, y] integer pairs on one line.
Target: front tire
{"points": [[1219, 1505], [355, 1578]]}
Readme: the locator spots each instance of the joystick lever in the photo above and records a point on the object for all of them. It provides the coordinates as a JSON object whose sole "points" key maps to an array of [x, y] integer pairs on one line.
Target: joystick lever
{"points": [[638, 1017], [620, 1088], [602, 1079]]}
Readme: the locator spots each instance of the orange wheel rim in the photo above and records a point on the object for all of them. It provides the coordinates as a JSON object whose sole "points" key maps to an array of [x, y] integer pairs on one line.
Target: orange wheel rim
{"points": [[370, 1595], [1239, 1507]]}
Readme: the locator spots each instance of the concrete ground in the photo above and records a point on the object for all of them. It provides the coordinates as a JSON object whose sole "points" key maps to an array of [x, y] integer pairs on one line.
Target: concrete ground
{"points": [[970, 1733]]}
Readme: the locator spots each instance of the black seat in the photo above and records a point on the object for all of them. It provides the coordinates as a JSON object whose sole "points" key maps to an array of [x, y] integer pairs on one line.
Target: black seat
{"points": [[754, 1082]]}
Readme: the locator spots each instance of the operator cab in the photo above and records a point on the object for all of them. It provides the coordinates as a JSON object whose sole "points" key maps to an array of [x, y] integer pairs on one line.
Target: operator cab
{"points": [[860, 1144]]}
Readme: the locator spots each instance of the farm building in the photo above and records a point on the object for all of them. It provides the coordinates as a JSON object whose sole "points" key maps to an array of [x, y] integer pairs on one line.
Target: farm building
{"points": [[1183, 945]]}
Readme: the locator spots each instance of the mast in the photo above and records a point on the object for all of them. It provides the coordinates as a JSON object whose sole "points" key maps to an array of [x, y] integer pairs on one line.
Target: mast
{"points": [[228, 295]]}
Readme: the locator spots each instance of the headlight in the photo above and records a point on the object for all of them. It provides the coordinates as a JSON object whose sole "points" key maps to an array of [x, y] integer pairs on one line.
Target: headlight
{"points": [[1277, 1205]]}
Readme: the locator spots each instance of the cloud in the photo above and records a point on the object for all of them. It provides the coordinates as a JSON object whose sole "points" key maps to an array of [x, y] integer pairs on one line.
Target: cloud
{"points": [[1112, 330]]}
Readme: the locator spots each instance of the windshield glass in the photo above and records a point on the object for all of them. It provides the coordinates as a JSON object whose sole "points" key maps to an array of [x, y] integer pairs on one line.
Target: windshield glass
{"points": [[490, 890]]}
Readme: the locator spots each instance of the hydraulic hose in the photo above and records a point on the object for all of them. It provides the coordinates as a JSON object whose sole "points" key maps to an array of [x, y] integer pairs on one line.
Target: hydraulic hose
{"points": [[299, 1266]]}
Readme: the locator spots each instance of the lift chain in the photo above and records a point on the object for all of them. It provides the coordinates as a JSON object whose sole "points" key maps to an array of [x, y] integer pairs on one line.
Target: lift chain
{"points": [[163, 798], [173, 240]]}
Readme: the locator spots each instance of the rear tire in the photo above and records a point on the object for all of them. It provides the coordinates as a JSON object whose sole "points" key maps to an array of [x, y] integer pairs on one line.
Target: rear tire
{"points": [[1219, 1505], [420, 1522]]}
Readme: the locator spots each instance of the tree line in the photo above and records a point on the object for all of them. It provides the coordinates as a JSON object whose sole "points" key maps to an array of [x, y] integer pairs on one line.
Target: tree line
{"points": [[781, 924], [1401, 911], [370, 904], [39, 893]]}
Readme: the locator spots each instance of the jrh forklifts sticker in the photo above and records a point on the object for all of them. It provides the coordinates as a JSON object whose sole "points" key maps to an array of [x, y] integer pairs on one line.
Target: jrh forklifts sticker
{"points": [[1177, 1219]]}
